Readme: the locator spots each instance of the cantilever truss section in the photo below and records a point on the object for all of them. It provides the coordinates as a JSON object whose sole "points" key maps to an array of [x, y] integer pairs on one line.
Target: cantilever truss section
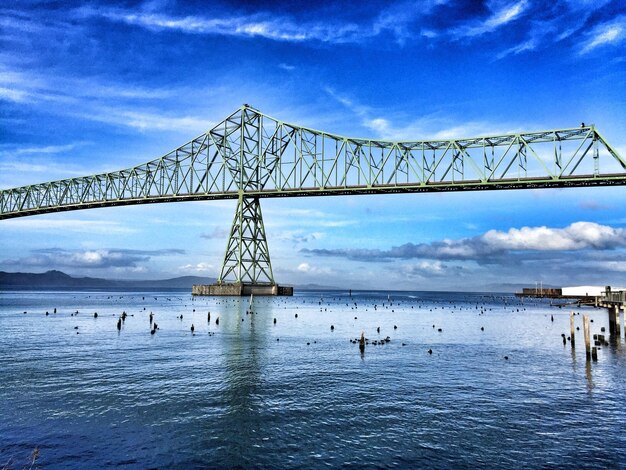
{"points": [[247, 258], [261, 156]]}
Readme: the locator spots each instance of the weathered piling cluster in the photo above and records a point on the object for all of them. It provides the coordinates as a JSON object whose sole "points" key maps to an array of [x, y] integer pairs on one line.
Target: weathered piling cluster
{"points": [[379, 335], [599, 340]]}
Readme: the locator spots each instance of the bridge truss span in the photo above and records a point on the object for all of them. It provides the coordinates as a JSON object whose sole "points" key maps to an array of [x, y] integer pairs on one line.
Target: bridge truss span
{"points": [[250, 155], [253, 153]]}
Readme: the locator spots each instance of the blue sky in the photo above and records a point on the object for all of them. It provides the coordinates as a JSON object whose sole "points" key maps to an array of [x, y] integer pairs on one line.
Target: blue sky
{"points": [[107, 85]]}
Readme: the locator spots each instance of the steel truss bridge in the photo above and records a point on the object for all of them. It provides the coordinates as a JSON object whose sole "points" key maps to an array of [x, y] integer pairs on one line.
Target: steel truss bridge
{"points": [[249, 156]]}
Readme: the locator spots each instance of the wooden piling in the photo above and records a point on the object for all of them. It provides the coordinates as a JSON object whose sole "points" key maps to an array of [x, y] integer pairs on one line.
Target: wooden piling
{"points": [[587, 337], [594, 354], [572, 330], [613, 325]]}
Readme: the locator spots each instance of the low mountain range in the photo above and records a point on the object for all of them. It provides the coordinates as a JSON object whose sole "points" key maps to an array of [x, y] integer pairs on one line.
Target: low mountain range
{"points": [[60, 280]]}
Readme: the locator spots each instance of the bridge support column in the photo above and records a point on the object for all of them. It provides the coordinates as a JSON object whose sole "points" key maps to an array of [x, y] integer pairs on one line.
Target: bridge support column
{"points": [[247, 257], [247, 268]]}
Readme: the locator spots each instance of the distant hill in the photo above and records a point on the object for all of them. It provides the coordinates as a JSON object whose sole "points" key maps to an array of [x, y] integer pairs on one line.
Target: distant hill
{"points": [[317, 287], [60, 280]]}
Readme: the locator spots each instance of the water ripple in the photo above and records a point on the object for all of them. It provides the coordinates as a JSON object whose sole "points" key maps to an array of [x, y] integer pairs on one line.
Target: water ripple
{"points": [[253, 393]]}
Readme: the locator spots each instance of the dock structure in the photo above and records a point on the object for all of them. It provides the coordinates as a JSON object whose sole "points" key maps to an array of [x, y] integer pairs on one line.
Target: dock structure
{"points": [[547, 292], [614, 301]]}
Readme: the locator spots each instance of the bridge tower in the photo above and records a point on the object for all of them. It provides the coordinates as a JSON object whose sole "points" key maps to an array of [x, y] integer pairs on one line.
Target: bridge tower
{"points": [[250, 158]]}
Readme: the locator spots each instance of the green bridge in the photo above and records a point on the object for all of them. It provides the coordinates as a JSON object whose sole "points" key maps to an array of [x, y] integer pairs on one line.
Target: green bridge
{"points": [[249, 156]]}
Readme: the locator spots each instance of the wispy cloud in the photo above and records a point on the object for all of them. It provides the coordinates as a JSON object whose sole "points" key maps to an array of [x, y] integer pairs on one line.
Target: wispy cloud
{"points": [[593, 206], [35, 86], [500, 16], [46, 149], [299, 236], [113, 104], [143, 119], [54, 225], [265, 25], [305, 217], [570, 20], [9, 94], [197, 268], [528, 45], [19, 163], [401, 19], [396, 19], [612, 32], [435, 127]]}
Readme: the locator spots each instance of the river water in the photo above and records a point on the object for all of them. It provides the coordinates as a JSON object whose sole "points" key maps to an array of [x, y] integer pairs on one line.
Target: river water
{"points": [[248, 392]]}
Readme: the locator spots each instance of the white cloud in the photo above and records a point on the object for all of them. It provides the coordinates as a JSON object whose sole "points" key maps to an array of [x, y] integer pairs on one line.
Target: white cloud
{"points": [[9, 94], [304, 267], [198, 268], [612, 32], [46, 149], [18, 170], [314, 270], [292, 217], [498, 18], [258, 25], [429, 267], [619, 266], [10, 150], [435, 127], [119, 270], [528, 45], [145, 120], [396, 19], [495, 245], [507, 14], [379, 125], [79, 259], [572, 19], [110, 103], [577, 236]]}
